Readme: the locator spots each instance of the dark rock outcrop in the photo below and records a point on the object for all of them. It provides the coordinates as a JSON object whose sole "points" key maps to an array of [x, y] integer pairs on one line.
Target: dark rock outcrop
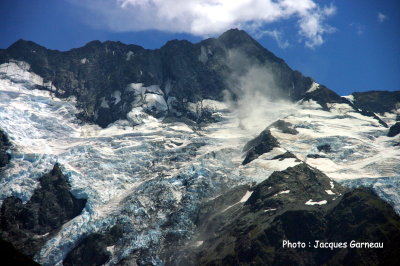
{"points": [[286, 155], [324, 148], [394, 130], [263, 143], [253, 233], [284, 127], [93, 249], [315, 156], [377, 101], [28, 226], [4, 146], [323, 96], [11, 256], [188, 72]]}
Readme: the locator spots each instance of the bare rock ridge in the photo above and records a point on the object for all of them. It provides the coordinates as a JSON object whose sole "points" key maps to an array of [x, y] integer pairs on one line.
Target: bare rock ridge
{"points": [[27, 226], [377, 101], [185, 72], [263, 143], [297, 204], [394, 130], [98, 74]]}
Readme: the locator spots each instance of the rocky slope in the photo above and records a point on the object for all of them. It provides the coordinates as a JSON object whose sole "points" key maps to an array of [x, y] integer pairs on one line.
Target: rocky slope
{"points": [[298, 204], [377, 101], [28, 226]]}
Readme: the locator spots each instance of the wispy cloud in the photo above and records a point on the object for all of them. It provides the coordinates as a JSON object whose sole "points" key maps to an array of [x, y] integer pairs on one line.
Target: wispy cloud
{"points": [[211, 17], [381, 17], [276, 35], [312, 26], [359, 28]]}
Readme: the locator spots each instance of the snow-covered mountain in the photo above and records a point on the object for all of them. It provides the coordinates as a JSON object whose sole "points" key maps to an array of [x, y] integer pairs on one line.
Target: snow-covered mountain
{"points": [[134, 173]]}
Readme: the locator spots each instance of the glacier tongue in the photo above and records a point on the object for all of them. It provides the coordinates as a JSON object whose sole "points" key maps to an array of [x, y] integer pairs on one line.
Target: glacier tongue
{"points": [[143, 176]]}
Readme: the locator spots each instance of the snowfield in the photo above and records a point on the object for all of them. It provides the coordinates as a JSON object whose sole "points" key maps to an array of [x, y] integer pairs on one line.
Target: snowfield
{"points": [[140, 170]]}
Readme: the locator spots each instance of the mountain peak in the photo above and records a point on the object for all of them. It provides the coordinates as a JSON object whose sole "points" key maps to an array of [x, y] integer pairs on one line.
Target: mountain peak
{"points": [[235, 37], [25, 44]]}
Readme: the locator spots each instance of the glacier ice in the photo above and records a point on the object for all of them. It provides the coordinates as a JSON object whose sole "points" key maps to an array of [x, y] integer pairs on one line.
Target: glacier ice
{"points": [[143, 173]]}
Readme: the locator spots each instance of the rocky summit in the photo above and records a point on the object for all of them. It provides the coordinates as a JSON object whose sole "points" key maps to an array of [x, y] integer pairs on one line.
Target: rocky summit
{"points": [[209, 153], [105, 77]]}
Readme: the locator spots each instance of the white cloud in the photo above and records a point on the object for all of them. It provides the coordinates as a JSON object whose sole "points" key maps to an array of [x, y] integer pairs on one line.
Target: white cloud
{"points": [[210, 17], [276, 35], [312, 26], [381, 17]]}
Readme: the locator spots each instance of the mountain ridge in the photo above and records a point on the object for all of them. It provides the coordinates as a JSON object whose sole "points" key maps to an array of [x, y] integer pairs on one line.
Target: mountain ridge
{"points": [[184, 71]]}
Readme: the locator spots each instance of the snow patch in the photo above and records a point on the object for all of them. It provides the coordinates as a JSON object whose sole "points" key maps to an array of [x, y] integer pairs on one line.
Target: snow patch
{"points": [[84, 60], [282, 192], [198, 243], [314, 87], [129, 55], [349, 97], [329, 192], [117, 96], [246, 196], [311, 202]]}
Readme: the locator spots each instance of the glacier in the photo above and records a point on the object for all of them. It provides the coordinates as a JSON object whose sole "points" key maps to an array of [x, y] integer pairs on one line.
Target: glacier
{"points": [[142, 171]]}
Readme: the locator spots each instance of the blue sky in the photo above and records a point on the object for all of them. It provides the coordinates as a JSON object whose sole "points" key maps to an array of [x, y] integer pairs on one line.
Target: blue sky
{"points": [[347, 45]]}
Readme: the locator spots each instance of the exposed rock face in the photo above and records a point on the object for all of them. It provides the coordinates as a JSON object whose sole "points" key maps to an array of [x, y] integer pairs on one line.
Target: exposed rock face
{"points": [[377, 101], [28, 226], [284, 127], [284, 156], [93, 249], [299, 204], [4, 146], [394, 130], [263, 143], [11, 256], [98, 74], [325, 148], [324, 96]]}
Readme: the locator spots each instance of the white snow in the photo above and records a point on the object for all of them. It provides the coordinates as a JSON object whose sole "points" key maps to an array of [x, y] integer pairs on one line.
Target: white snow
{"points": [[314, 87], [129, 55], [246, 196], [155, 102], [84, 60], [311, 202], [117, 96], [349, 97], [282, 192], [329, 192], [198, 243]]}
